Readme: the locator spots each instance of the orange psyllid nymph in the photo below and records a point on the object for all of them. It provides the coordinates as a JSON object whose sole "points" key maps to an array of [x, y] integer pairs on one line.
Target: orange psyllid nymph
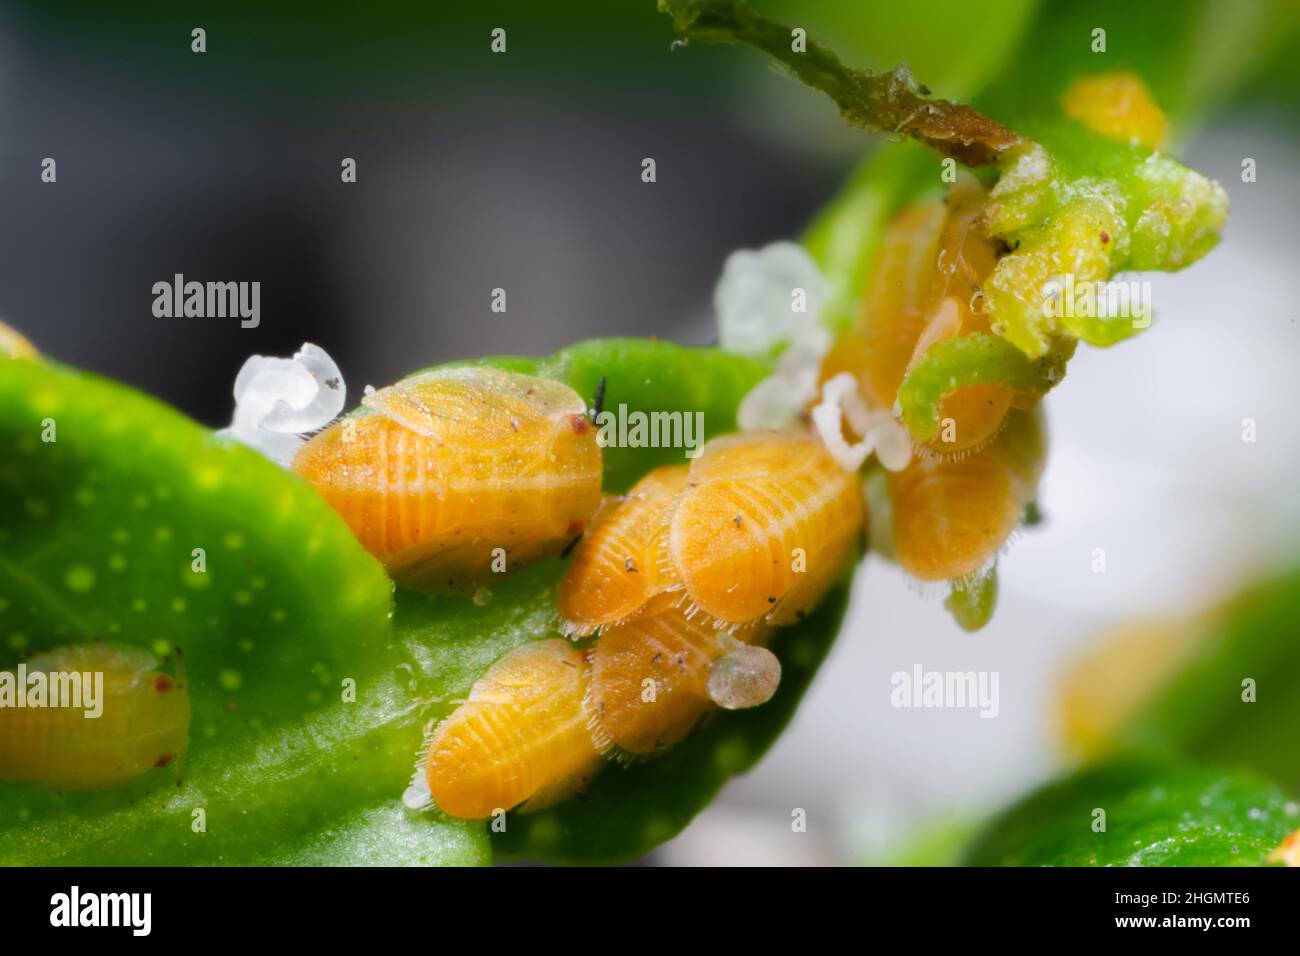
{"points": [[143, 717], [451, 475], [765, 524], [925, 287], [650, 677], [522, 737], [618, 566], [950, 517], [894, 306], [965, 259]]}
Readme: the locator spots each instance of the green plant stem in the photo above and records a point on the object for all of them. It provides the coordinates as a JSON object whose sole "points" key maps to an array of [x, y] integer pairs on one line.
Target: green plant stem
{"points": [[889, 102]]}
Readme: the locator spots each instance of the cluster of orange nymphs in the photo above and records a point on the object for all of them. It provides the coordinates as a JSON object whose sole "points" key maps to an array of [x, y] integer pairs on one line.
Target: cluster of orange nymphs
{"points": [[670, 595]]}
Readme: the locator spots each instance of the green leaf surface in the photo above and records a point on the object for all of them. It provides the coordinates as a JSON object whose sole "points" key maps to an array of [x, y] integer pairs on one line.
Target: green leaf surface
{"points": [[385, 834], [98, 531], [1156, 814]]}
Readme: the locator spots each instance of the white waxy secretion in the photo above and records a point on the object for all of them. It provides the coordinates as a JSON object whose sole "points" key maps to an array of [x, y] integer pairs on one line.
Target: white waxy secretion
{"points": [[880, 432], [766, 299], [278, 401], [755, 296], [746, 676]]}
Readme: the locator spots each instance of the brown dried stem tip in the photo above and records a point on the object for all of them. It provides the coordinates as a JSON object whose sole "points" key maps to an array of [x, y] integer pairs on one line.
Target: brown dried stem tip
{"points": [[889, 102]]}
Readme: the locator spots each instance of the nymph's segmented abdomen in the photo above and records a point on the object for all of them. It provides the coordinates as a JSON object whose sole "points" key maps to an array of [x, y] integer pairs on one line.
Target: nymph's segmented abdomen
{"points": [[619, 565], [765, 518], [950, 517], [894, 307], [449, 481], [927, 287], [143, 722], [649, 679], [522, 737]]}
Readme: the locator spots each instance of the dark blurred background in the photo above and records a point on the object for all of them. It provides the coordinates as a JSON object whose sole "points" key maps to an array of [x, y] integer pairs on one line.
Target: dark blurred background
{"points": [[475, 171]]}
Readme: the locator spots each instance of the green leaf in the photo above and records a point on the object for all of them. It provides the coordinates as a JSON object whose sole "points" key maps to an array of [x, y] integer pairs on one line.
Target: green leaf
{"points": [[99, 528], [1156, 814], [385, 834], [1201, 710]]}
